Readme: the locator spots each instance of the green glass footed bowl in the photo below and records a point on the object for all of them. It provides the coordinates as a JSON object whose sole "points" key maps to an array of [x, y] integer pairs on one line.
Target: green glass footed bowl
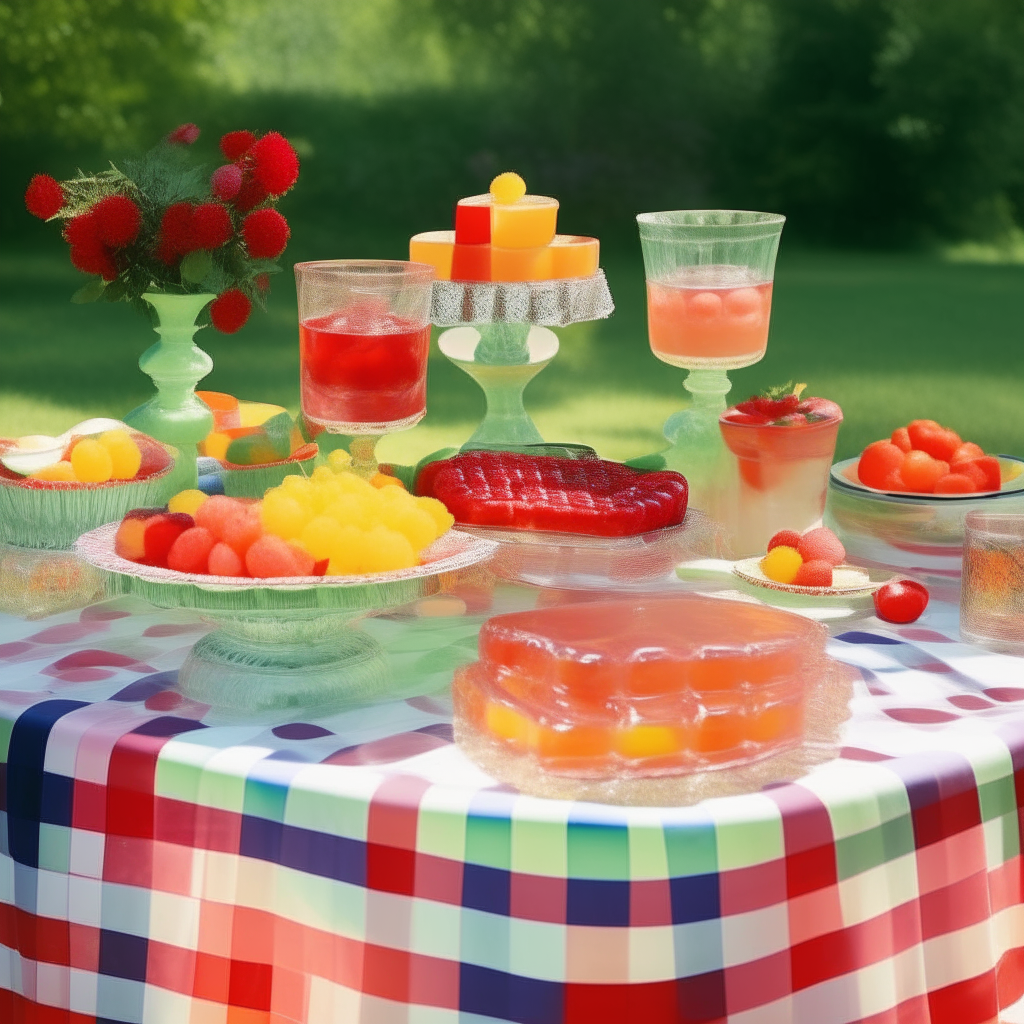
{"points": [[289, 642], [51, 515]]}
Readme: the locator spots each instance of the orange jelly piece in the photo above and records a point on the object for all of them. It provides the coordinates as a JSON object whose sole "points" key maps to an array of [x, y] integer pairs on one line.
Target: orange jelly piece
{"points": [[646, 686], [435, 248]]}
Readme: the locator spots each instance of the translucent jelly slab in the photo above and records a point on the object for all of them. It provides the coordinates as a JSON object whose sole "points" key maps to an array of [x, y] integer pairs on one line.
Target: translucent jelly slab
{"points": [[649, 686]]}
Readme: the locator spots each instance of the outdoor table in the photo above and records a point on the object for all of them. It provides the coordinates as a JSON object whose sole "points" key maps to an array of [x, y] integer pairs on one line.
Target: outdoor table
{"points": [[162, 864]]}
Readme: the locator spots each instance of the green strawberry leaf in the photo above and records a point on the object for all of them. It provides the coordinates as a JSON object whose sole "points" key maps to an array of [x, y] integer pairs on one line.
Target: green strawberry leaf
{"points": [[90, 291]]}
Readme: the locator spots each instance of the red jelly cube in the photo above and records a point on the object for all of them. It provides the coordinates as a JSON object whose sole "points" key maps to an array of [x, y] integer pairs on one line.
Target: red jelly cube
{"points": [[471, 262], [161, 532], [473, 221], [541, 492]]}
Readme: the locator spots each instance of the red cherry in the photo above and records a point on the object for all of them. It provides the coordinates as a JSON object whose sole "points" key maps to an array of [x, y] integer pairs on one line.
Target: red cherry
{"points": [[785, 538], [900, 601]]}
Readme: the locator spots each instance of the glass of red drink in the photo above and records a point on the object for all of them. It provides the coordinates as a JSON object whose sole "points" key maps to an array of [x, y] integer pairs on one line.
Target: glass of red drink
{"points": [[364, 336]]}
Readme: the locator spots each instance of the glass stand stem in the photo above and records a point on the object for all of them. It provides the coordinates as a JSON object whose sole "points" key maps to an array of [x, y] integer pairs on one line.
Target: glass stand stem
{"points": [[364, 456], [697, 449]]}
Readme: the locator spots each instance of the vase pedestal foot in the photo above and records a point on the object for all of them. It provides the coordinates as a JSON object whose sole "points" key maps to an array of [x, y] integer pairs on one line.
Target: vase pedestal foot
{"points": [[502, 370], [258, 664]]}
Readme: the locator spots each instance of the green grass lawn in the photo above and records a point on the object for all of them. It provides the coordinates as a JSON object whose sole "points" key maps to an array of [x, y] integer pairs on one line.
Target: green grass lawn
{"points": [[890, 337]]}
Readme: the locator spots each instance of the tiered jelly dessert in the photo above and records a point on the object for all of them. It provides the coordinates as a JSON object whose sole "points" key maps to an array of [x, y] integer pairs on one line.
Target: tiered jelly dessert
{"points": [[334, 523], [250, 433], [783, 445], [506, 235], [648, 686], [926, 458], [589, 496]]}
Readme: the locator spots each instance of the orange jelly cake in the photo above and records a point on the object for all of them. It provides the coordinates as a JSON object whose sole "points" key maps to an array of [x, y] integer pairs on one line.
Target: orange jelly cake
{"points": [[508, 236], [647, 686]]}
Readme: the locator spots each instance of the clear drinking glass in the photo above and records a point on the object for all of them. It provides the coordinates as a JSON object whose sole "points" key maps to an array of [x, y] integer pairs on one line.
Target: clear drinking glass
{"points": [[992, 582], [709, 285], [364, 336]]}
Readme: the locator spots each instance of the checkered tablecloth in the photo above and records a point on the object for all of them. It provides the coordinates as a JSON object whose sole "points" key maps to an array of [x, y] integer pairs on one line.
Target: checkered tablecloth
{"points": [[161, 865]]}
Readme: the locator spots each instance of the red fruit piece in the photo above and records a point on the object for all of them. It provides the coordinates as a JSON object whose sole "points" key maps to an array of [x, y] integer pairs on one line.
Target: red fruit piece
{"points": [[190, 551], [216, 512], [270, 556], [161, 532], [988, 467], [128, 541], [770, 409], [540, 492], [235, 144], [900, 601], [785, 538], [815, 573], [901, 438], [928, 436], [878, 462], [320, 568], [241, 530], [966, 452], [230, 310], [920, 472], [955, 483], [821, 407], [821, 545], [304, 561], [224, 561]]}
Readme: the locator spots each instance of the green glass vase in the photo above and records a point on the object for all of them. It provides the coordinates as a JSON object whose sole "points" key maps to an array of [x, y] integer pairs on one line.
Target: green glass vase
{"points": [[174, 415]]}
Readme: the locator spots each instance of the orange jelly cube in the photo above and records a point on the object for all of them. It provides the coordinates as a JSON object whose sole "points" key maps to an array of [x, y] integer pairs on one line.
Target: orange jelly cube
{"points": [[520, 264], [435, 248], [225, 408], [574, 256], [528, 223]]}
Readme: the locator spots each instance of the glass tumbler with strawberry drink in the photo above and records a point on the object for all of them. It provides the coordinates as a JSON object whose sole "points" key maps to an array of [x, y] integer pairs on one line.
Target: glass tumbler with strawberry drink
{"points": [[364, 336], [709, 290], [784, 445]]}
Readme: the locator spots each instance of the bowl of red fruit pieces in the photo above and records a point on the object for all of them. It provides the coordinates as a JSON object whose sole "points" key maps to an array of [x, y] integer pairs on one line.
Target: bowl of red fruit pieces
{"points": [[902, 501]]}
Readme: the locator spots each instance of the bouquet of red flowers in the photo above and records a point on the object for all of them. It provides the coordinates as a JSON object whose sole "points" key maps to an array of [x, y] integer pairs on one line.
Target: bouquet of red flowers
{"points": [[162, 223]]}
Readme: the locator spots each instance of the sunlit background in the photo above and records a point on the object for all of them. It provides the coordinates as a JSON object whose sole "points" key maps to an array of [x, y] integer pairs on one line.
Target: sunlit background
{"points": [[890, 132]]}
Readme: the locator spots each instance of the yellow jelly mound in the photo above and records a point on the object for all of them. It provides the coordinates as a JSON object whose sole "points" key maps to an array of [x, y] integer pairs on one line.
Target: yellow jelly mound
{"points": [[360, 526], [112, 455], [508, 187]]}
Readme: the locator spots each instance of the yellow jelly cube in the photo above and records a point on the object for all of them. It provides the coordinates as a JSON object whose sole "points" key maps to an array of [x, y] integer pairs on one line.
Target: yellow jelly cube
{"points": [[255, 414], [215, 446], [443, 519], [351, 510], [388, 550], [573, 256], [647, 741], [347, 556], [91, 462], [58, 472], [415, 524], [434, 248], [282, 515], [187, 502], [509, 724], [124, 453], [526, 224], [322, 537]]}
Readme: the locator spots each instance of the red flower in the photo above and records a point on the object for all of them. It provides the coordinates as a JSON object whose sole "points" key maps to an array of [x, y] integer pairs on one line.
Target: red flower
{"points": [[235, 144], [226, 181], [117, 220], [184, 134], [175, 232], [275, 163], [91, 256], [44, 197], [211, 226], [250, 195], [230, 310], [266, 234], [81, 230]]}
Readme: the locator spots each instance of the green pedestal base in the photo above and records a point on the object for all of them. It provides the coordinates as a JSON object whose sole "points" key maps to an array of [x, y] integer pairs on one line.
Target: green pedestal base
{"points": [[502, 363]]}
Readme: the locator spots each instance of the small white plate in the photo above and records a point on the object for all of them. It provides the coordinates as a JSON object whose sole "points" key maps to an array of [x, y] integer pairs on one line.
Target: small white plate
{"points": [[847, 580]]}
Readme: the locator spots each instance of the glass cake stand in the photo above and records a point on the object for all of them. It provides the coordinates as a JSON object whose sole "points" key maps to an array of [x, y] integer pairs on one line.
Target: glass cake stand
{"points": [[286, 642], [500, 340]]}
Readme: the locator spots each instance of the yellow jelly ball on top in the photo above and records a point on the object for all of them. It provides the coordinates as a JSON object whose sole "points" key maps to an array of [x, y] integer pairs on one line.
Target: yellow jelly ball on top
{"points": [[124, 453], [91, 462], [58, 472], [187, 502], [508, 188], [781, 564], [339, 459]]}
